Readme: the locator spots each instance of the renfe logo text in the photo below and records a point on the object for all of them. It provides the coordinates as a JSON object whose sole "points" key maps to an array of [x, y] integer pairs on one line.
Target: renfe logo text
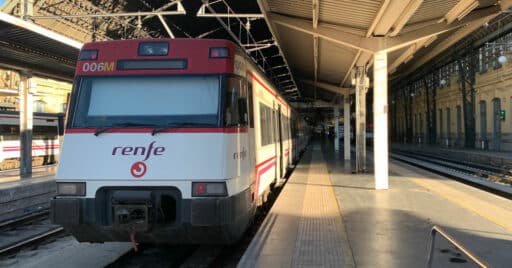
{"points": [[139, 150]]}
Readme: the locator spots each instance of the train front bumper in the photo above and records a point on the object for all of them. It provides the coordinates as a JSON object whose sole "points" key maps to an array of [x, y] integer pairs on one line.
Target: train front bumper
{"points": [[157, 215]]}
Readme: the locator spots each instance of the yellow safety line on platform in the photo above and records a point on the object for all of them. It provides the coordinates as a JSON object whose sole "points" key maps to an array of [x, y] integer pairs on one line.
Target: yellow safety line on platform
{"points": [[320, 223], [487, 210]]}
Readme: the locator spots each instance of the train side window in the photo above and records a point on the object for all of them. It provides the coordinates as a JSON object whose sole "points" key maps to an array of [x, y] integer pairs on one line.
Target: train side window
{"points": [[236, 103], [45, 132], [10, 132], [266, 127]]}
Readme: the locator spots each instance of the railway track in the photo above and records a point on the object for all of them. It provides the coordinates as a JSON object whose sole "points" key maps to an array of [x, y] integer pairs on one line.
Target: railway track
{"points": [[196, 256], [487, 177], [26, 231], [199, 256]]}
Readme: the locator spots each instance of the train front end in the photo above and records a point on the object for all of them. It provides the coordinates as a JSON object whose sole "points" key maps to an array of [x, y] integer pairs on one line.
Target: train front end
{"points": [[147, 152]]}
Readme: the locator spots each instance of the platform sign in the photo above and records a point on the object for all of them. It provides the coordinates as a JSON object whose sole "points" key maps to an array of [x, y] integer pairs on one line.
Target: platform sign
{"points": [[502, 114]]}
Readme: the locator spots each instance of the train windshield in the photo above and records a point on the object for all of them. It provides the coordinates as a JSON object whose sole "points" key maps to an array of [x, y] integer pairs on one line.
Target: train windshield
{"points": [[147, 100]]}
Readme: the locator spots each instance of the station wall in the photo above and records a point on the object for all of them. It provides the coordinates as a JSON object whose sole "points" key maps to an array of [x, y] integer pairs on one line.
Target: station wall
{"points": [[493, 101]]}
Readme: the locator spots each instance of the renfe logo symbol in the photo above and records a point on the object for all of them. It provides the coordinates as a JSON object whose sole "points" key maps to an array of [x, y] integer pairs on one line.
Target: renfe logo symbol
{"points": [[138, 169]]}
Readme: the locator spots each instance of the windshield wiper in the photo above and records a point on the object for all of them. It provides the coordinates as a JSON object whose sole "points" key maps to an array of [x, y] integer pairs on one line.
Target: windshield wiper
{"points": [[179, 124], [127, 124]]}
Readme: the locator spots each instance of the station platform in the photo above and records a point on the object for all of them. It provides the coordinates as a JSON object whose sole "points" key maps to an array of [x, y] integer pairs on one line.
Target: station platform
{"points": [[497, 158], [327, 217], [19, 196]]}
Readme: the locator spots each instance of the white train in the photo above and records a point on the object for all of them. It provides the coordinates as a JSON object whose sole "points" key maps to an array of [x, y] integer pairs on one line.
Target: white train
{"points": [[45, 139], [171, 141]]}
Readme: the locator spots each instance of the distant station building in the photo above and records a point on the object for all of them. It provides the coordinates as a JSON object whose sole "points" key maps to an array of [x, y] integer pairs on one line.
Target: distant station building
{"points": [[50, 96]]}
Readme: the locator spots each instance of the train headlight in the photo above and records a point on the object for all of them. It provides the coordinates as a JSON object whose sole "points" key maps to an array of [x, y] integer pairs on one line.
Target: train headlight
{"points": [[71, 188], [153, 49], [88, 54], [204, 189], [219, 52]]}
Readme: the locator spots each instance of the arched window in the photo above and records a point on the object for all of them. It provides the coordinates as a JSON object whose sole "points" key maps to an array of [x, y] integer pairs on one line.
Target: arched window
{"points": [[63, 107], [448, 124], [39, 106], [459, 123], [496, 124], [441, 131], [483, 120]]}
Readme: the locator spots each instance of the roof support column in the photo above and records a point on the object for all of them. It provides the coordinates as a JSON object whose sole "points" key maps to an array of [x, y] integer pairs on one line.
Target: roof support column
{"points": [[380, 120], [361, 88], [346, 128], [27, 8], [336, 128], [26, 116]]}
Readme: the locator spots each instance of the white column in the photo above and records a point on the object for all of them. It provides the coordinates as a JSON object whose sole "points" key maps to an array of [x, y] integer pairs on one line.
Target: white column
{"points": [[336, 128], [380, 120], [346, 122], [25, 125], [360, 119]]}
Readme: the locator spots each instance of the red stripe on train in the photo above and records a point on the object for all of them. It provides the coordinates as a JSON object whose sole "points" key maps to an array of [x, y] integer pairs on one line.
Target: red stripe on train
{"points": [[261, 172], [150, 130]]}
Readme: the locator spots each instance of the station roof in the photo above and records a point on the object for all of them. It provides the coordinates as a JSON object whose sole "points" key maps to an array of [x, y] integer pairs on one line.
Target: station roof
{"points": [[28, 47], [317, 41]]}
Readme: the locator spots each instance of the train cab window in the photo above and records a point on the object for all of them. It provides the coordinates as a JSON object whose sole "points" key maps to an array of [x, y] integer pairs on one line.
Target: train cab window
{"points": [[235, 111], [142, 101]]}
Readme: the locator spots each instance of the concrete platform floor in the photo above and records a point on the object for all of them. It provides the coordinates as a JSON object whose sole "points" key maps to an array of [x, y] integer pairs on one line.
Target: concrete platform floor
{"points": [[20, 196], [386, 228]]}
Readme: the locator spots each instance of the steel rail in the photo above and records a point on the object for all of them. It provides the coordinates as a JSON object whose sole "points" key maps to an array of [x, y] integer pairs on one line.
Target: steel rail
{"points": [[24, 218], [33, 239]]}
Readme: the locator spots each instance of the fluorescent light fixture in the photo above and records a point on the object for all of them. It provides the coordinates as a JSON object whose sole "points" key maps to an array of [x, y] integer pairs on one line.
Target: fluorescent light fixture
{"points": [[460, 10], [467, 10]]}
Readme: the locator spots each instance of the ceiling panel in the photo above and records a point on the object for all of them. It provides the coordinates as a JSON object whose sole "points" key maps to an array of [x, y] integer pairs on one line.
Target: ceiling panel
{"points": [[334, 62], [432, 9], [298, 50], [299, 8], [358, 14]]}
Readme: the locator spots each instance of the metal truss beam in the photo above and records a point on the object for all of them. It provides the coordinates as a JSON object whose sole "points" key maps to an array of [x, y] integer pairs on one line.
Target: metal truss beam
{"points": [[108, 15], [166, 27], [203, 13], [232, 19], [449, 41], [326, 86], [265, 10], [374, 44]]}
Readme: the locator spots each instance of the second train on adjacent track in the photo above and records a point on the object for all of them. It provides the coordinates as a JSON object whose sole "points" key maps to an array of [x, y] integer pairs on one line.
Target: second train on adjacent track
{"points": [[171, 141]]}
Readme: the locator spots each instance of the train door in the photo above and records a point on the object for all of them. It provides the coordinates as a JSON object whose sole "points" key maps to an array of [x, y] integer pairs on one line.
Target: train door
{"points": [[496, 137], [252, 134], [277, 141], [280, 140]]}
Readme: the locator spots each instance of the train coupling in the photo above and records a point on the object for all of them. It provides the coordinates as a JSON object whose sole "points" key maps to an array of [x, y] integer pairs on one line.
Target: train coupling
{"points": [[131, 217], [131, 210]]}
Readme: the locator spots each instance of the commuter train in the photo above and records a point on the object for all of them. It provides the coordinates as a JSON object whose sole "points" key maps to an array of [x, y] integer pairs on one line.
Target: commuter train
{"points": [[171, 141], [45, 139]]}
